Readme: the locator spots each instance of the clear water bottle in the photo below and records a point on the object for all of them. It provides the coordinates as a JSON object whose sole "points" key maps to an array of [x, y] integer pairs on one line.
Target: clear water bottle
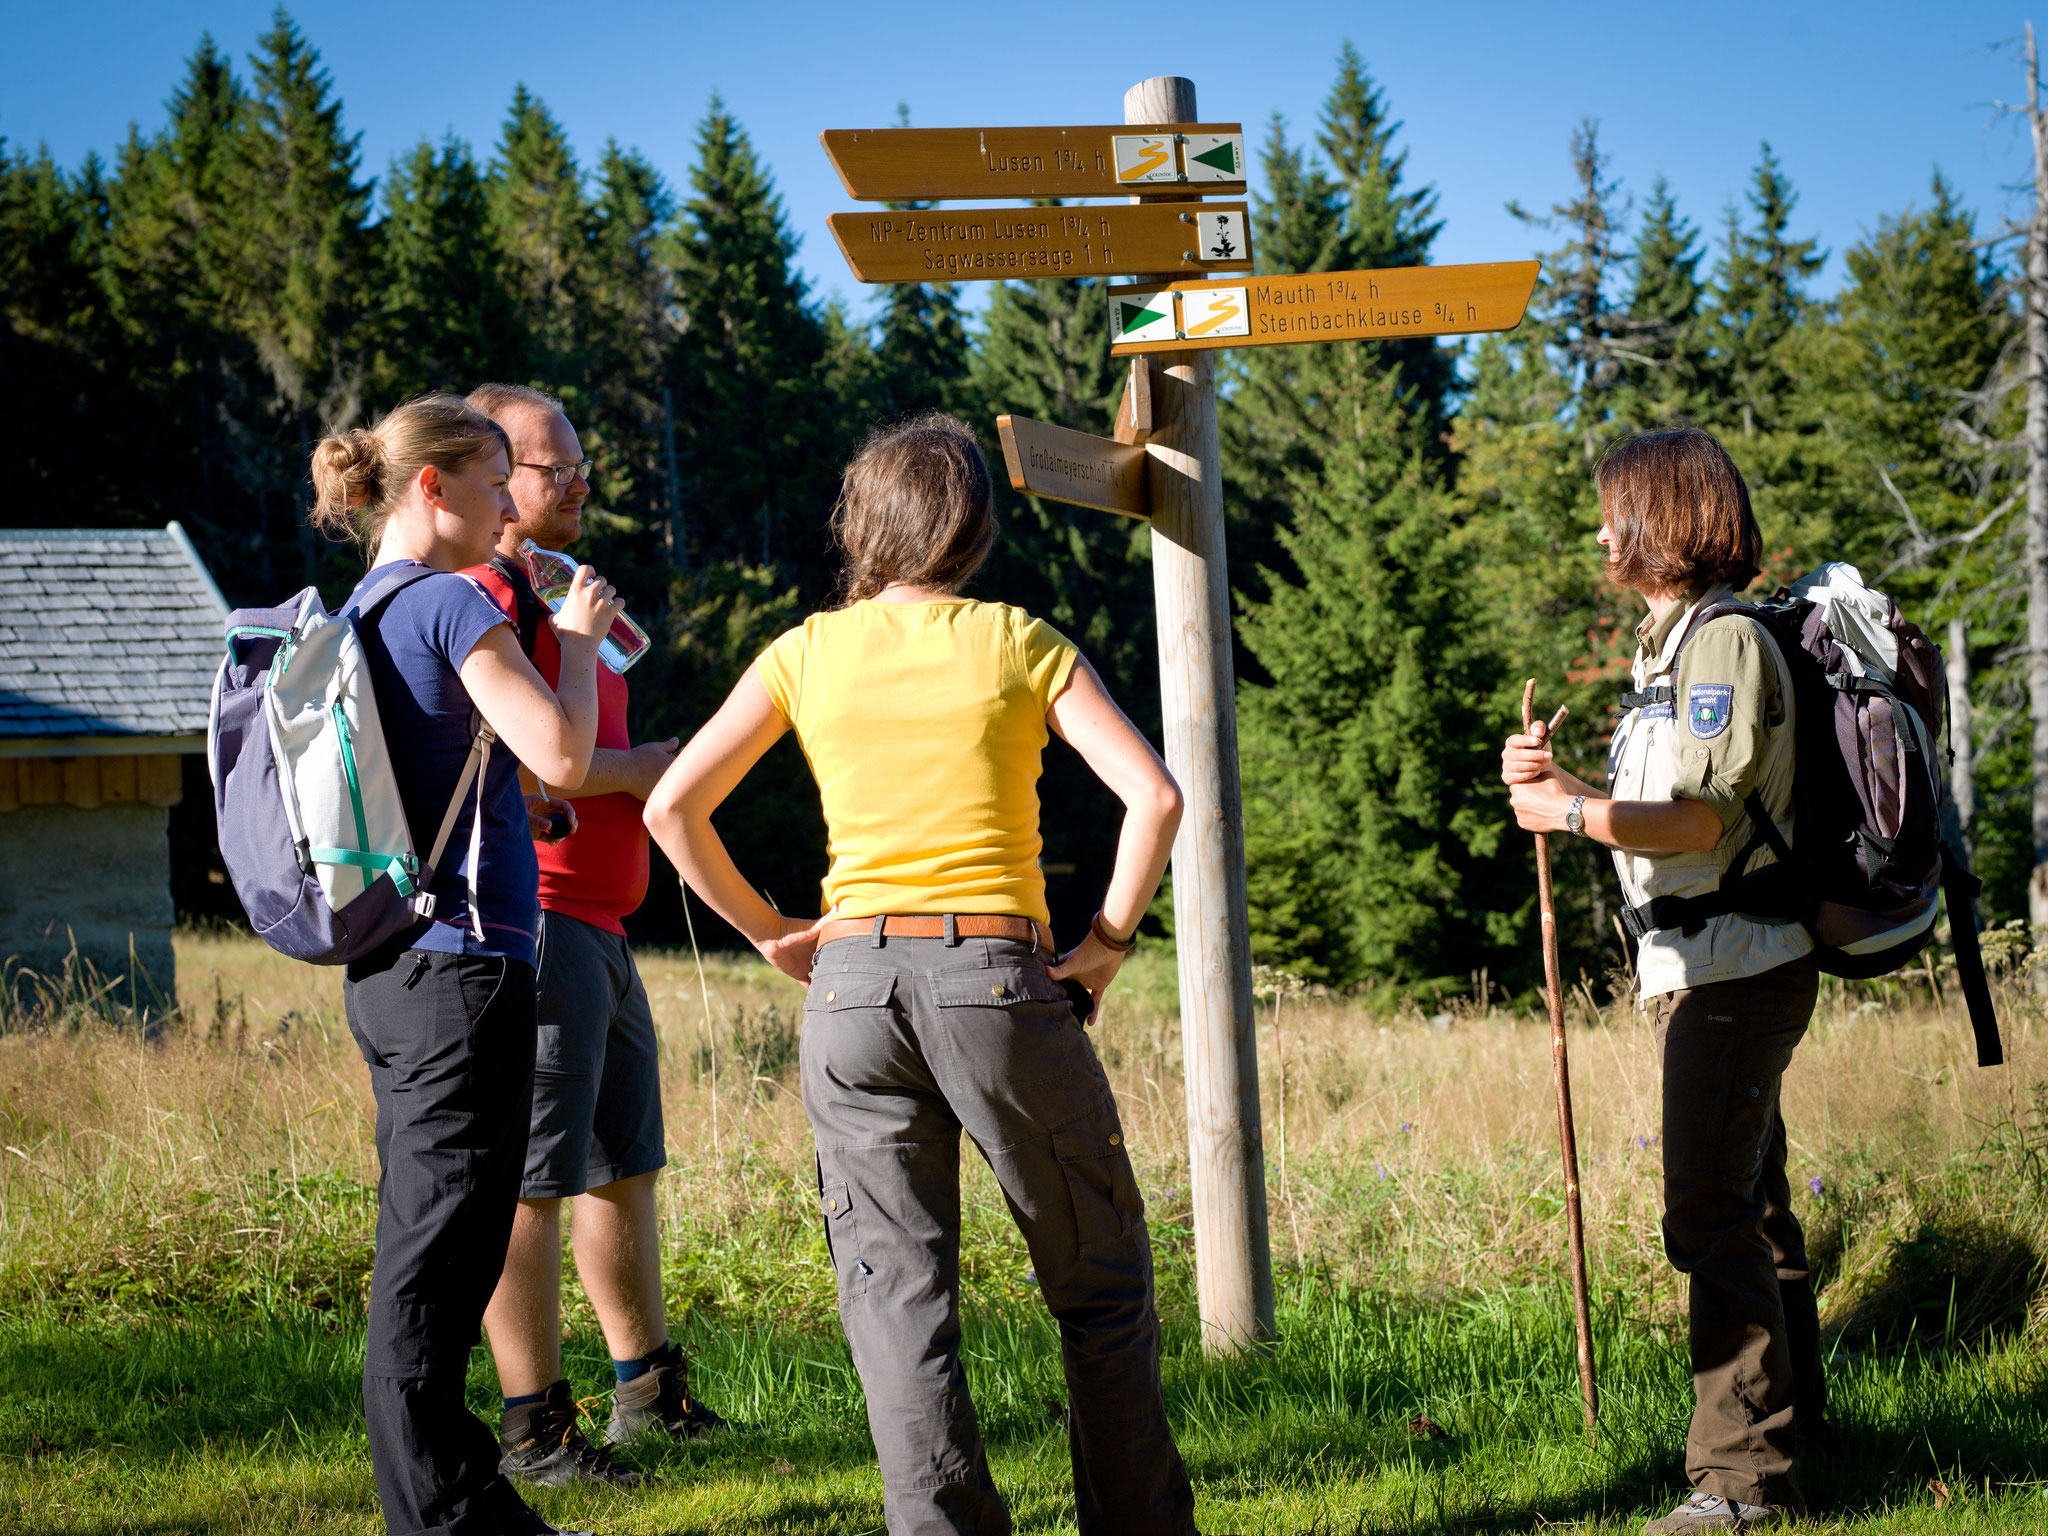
{"points": [[551, 572]]}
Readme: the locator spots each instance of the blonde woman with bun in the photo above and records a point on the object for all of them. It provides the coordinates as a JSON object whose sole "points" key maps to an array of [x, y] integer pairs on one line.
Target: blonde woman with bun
{"points": [[444, 1014]]}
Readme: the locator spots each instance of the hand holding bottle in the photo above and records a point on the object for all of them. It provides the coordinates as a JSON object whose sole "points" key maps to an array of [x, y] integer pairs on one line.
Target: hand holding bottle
{"points": [[588, 607]]}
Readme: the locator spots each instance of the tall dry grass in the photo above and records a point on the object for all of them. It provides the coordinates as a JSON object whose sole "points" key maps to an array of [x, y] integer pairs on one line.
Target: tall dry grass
{"points": [[226, 1161]]}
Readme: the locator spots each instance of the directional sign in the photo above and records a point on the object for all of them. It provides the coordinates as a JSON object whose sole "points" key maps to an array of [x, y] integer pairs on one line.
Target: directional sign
{"points": [[1319, 306], [951, 244], [911, 164], [1056, 462]]}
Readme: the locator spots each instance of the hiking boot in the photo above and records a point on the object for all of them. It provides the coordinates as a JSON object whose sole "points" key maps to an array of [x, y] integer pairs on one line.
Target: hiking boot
{"points": [[659, 1398], [543, 1447], [1711, 1512]]}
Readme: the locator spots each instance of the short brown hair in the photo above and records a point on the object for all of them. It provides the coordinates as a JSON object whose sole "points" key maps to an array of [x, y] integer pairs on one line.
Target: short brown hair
{"points": [[495, 399], [1677, 513], [917, 505], [359, 475]]}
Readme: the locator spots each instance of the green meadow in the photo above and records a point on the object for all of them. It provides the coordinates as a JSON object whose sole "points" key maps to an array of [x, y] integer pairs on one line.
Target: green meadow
{"points": [[185, 1229]]}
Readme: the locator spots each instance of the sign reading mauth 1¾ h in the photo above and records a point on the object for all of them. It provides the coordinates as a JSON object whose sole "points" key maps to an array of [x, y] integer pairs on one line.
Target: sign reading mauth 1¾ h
{"points": [[1319, 306], [911, 164]]}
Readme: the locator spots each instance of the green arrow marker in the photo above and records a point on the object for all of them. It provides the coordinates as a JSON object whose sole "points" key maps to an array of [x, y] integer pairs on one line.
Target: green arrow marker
{"points": [[1135, 315], [1222, 158]]}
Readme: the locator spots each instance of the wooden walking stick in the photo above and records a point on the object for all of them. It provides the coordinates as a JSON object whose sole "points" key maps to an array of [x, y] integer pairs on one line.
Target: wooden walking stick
{"points": [[1561, 1079]]}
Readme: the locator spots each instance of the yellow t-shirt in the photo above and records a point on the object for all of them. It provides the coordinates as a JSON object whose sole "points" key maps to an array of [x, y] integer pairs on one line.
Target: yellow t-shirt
{"points": [[924, 724]]}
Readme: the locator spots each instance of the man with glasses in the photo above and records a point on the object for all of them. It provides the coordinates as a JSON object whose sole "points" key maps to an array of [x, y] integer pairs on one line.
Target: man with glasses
{"points": [[596, 1133]]}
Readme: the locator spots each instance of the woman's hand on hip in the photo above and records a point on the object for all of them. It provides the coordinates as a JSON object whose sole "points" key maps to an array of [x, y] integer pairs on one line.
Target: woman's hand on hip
{"points": [[793, 949], [1092, 963], [589, 607]]}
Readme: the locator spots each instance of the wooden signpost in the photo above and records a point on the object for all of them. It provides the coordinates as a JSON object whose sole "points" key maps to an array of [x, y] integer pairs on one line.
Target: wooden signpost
{"points": [[1161, 463], [954, 244]]}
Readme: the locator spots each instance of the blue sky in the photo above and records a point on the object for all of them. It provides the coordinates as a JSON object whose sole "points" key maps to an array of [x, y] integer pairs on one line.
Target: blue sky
{"points": [[1861, 102]]}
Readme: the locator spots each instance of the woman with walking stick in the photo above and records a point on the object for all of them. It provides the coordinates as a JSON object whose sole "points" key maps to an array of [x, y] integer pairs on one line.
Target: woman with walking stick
{"points": [[937, 1002], [1707, 739]]}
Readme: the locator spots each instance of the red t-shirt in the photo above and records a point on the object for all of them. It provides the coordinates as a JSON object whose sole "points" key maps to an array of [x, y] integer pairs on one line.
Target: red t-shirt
{"points": [[598, 873]]}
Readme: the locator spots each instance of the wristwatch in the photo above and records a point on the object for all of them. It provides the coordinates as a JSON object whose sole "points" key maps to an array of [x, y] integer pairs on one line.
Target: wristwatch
{"points": [[1574, 819]]}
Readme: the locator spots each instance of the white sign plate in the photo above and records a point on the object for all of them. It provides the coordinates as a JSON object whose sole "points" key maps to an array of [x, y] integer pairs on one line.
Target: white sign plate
{"points": [[1214, 156], [1145, 158], [1221, 235], [1214, 312], [1148, 317]]}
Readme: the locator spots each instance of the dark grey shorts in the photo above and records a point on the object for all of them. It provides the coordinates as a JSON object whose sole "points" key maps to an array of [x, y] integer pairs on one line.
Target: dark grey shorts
{"points": [[596, 1092]]}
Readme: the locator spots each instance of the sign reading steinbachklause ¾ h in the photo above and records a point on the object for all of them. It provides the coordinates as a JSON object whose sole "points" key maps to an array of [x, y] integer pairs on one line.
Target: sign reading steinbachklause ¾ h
{"points": [[1319, 306]]}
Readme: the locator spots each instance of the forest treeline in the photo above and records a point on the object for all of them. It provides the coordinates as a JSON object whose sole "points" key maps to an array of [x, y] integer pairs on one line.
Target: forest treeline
{"points": [[1411, 522]]}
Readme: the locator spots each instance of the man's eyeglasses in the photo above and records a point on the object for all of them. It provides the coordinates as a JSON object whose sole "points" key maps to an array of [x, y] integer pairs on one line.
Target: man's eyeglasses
{"points": [[563, 473]]}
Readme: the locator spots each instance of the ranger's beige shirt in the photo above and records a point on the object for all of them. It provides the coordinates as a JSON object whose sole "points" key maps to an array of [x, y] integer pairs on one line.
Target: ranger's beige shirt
{"points": [[1727, 731]]}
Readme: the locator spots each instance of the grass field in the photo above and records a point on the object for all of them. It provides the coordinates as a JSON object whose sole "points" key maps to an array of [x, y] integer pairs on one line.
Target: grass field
{"points": [[185, 1238]]}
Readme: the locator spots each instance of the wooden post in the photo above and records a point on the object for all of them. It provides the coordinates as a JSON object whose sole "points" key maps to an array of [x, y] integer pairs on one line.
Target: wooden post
{"points": [[1191, 589]]}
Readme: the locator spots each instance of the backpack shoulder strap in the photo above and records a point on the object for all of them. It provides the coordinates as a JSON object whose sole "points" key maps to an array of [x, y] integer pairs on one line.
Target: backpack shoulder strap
{"points": [[525, 604], [385, 583]]}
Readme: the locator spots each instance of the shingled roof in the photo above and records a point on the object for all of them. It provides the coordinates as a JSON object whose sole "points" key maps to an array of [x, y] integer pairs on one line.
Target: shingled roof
{"points": [[105, 632]]}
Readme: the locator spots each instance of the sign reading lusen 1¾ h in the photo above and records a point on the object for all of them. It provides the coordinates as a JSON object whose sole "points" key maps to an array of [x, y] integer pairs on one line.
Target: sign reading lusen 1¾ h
{"points": [[1186, 315], [947, 245], [912, 164]]}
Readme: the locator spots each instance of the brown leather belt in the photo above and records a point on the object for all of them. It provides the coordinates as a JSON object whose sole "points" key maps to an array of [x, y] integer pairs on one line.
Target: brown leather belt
{"points": [[966, 925]]}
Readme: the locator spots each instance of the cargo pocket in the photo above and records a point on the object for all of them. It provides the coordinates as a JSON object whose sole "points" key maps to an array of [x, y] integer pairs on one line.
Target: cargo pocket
{"points": [[842, 1237], [1101, 1185], [837, 991], [1018, 987]]}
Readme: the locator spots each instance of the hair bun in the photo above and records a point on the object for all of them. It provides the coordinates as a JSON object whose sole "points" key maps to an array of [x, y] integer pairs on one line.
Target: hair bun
{"points": [[348, 471]]}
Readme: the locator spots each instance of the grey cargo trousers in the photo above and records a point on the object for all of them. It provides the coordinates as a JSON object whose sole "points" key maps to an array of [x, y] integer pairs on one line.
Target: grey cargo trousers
{"points": [[905, 1044]]}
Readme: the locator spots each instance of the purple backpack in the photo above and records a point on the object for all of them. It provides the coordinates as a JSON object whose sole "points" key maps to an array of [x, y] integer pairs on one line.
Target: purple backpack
{"points": [[312, 828], [1871, 854]]}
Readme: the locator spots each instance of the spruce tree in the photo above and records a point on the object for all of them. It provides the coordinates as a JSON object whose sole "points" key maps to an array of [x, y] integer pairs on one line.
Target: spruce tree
{"points": [[448, 321], [1664, 373], [629, 329], [922, 352], [1575, 312], [296, 267], [541, 219], [192, 405], [1759, 296], [1290, 407], [759, 437]]}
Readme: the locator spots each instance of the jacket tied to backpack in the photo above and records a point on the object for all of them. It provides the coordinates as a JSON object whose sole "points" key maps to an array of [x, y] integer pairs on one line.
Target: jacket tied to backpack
{"points": [[1854, 840]]}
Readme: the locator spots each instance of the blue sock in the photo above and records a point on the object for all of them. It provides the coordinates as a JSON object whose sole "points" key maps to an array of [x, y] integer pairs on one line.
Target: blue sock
{"points": [[632, 1370], [521, 1402]]}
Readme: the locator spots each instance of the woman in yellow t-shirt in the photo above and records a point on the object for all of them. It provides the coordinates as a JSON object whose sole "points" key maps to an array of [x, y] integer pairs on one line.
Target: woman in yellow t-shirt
{"points": [[936, 1003]]}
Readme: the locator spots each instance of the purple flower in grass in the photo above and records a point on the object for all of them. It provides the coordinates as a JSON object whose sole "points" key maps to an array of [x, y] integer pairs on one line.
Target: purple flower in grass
{"points": [[1815, 1185], [1379, 1170]]}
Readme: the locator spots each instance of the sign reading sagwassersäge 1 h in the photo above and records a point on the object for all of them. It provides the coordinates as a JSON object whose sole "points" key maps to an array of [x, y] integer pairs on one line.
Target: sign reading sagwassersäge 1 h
{"points": [[952, 244], [1319, 306], [912, 164]]}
